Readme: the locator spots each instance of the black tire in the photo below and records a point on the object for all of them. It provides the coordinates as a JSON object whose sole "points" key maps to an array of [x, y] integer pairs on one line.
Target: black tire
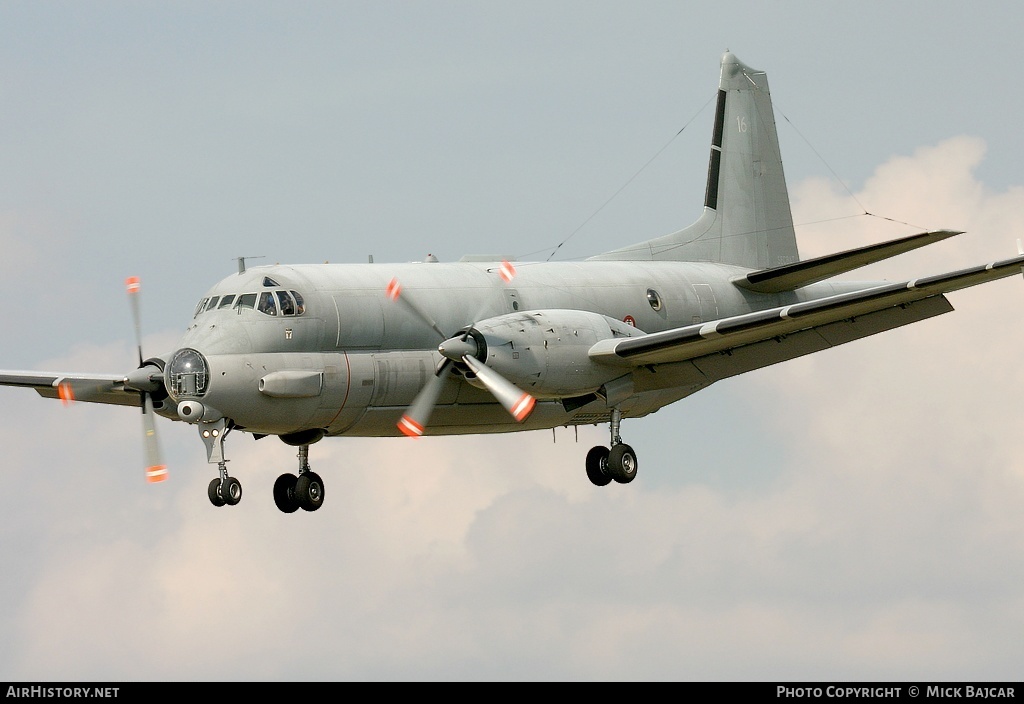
{"points": [[231, 491], [597, 466], [622, 464], [284, 493], [213, 491], [309, 491]]}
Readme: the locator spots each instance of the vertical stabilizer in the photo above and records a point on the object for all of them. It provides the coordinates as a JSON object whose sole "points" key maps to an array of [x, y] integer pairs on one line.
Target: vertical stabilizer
{"points": [[746, 219]]}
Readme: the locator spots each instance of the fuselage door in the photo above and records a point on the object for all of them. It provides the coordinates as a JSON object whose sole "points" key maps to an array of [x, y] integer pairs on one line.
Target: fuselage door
{"points": [[707, 303], [360, 321]]}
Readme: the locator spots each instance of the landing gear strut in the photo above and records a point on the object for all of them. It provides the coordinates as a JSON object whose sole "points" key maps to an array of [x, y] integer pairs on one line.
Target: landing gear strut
{"points": [[225, 490], [618, 463], [305, 491]]}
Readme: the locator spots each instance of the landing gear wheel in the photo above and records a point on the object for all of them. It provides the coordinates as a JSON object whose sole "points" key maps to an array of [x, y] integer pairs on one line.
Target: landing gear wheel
{"points": [[597, 466], [284, 493], [622, 463], [213, 491], [309, 491], [231, 491]]}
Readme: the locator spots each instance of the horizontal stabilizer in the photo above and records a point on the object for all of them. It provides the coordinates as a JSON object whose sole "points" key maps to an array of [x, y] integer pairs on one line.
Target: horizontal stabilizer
{"points": [[792, 276]]}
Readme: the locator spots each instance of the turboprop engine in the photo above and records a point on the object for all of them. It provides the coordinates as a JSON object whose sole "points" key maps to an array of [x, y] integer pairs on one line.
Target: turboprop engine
{"points": [[543, 352]]}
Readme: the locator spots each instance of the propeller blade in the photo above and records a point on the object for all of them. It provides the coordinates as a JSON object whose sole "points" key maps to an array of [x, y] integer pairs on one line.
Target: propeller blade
{"points": [[506, 271], [66, 392], [143, 381], [394, 292], [415, 418], [132, 285], [516, 401], [156, 470]]}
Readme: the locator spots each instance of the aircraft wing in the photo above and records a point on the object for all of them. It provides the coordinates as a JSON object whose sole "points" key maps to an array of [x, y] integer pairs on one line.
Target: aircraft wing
{"points": [[74, 387], [729, 346]]}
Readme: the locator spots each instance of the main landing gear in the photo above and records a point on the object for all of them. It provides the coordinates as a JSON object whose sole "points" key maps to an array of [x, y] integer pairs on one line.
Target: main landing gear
{"points": [[305, 491], [618, 463]]}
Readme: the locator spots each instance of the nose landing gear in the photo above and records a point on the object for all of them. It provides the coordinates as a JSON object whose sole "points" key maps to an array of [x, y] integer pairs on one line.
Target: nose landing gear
{"points": [[225, 490], [618, 463]]}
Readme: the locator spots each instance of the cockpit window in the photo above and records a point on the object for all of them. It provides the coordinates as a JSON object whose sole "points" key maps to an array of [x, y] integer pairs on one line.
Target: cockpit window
{"points": [[213, 303], [287, 304], [275, 303], [267, 304], [201, 307], [246, 300], [269, 282]]}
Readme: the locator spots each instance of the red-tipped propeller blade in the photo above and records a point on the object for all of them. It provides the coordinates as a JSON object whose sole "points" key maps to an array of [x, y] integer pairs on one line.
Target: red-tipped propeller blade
{"points": [[132, 286], [394, 292], [506, 271], [66, 392], [414, 421], [156, 470], [516, 401]]}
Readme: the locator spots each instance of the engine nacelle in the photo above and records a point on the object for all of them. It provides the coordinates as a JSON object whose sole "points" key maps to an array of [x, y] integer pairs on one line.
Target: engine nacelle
{"points": [[545, 352]]}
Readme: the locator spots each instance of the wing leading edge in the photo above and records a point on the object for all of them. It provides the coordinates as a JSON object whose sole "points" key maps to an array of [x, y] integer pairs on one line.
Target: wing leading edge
{"points": [[766, 337], [74, 387]]}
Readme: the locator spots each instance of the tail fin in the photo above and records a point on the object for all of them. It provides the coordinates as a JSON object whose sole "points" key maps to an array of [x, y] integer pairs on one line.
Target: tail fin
{"points": [[746, 219]]}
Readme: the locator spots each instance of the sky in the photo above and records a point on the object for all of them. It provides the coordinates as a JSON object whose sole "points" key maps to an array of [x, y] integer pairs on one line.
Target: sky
{"points": [[852, 515]]}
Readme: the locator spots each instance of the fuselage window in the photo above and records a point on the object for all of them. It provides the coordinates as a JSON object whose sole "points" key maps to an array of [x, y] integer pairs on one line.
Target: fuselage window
{"points": [[246, 300], [267, 305], [201, 307], [226, 301], [300, 305], [213, 303], [654, 299], [287, 304]]}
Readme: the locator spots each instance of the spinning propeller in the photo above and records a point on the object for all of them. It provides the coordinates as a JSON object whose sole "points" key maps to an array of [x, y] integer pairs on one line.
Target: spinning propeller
{"points": [[462, 348], [147, 379]]}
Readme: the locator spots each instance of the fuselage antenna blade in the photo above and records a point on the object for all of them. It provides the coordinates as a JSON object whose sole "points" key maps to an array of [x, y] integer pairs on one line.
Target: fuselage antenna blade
{"points": [[241, 262]]}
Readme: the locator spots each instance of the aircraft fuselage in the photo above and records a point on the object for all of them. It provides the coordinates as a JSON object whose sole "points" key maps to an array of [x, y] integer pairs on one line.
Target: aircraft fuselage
{"points": [[354, 359]]}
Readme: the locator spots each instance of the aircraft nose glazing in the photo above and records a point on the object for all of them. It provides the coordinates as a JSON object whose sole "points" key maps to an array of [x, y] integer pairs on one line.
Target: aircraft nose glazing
{"points": [[188, 374]]}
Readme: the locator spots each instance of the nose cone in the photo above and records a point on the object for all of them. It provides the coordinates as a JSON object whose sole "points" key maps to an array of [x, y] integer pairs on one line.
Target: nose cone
{"points": [[456, 348]]}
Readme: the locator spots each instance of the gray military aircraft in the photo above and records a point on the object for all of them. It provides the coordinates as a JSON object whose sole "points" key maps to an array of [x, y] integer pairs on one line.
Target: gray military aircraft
{"points": [[485, 345]]}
